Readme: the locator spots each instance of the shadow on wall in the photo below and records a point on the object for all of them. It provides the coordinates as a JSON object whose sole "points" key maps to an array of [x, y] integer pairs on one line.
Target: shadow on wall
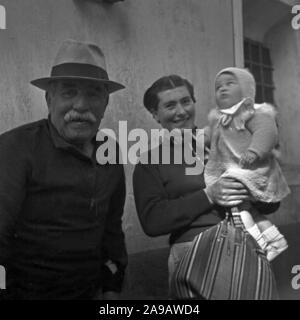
{"points": [[147, 275]]}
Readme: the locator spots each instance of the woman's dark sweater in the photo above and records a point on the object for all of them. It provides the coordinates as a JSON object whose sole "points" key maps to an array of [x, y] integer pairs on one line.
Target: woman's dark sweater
{"points": [[168, 201]]}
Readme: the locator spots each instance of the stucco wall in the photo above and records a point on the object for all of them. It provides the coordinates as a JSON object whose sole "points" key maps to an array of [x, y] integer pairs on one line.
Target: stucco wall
{"points": [[261, 15], [142, 40], [284, 43], [275, 31]]}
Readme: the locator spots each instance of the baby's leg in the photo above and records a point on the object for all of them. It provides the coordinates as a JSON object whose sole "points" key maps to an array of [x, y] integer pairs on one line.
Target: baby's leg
{"points": [[262, 221], [246, 212], [242, 217], [246, 216], [275, 243]]}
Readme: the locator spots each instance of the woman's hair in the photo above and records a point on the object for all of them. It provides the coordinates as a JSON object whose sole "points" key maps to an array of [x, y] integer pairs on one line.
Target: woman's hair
{"points": [[162, 84]]}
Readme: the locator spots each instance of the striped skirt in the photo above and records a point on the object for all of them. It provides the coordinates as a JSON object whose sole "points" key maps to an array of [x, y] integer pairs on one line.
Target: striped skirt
{"points": [[224, 263]]}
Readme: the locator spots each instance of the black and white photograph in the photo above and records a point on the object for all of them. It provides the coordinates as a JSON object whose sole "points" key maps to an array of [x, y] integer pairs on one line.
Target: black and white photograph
{"points": [[149, 151]]}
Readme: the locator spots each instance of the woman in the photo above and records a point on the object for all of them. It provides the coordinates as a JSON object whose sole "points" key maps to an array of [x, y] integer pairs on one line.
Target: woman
{"points": [[167, 200]]}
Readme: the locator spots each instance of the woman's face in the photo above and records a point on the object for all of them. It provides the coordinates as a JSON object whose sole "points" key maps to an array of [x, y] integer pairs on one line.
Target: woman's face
{"points": [[176, 109]]}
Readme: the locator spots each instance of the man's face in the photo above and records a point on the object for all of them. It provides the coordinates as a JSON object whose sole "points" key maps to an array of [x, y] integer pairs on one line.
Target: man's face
{"points": [[176, 109], [76, 108], [228, 91]]}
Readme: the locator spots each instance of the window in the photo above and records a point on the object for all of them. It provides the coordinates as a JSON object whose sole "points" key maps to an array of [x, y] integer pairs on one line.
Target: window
{"points": [[258, 61]]}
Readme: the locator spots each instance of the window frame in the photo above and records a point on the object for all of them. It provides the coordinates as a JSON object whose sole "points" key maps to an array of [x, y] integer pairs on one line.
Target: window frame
{"points": [[263, 63]]}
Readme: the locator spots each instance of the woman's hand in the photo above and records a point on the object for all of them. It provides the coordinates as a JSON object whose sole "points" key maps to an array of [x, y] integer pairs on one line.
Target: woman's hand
{"points": [[227, 192]]}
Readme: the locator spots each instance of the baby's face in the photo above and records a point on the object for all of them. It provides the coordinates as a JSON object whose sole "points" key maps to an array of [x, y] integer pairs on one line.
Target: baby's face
{"points": [[228, 91]]}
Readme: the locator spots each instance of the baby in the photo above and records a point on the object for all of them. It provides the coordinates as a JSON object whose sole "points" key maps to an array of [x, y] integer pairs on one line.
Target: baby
{"points": [[242, 138]]}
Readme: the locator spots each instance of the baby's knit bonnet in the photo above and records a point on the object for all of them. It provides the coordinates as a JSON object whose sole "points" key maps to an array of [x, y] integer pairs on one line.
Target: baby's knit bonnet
{"points": [[244, 78]]}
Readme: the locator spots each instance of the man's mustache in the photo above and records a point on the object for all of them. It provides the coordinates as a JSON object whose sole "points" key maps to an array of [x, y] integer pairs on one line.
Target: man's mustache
{"points": [[75, 116]]}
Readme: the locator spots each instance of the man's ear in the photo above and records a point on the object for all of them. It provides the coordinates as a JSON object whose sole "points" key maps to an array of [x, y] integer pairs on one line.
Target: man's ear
{"points": [[48, 98]]}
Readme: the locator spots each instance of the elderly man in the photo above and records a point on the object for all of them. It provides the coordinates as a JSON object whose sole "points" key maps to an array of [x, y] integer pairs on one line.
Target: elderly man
{"points": [[60, 211]]}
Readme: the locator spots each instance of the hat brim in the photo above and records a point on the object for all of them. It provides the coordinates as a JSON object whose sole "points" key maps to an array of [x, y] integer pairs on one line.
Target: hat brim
{"points": [[43, 83]]}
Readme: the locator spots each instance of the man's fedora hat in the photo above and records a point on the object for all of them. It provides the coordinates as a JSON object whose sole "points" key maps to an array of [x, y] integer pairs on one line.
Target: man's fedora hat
{"points": [[79, 60]]}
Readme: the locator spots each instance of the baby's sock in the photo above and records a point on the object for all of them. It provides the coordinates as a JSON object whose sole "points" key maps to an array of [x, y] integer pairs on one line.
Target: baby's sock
{"points": [[258, 236], [276, 243]]}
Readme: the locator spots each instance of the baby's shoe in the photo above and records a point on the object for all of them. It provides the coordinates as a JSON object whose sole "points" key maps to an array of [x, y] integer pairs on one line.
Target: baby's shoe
{"points": [[276, 242], [258, 236]]}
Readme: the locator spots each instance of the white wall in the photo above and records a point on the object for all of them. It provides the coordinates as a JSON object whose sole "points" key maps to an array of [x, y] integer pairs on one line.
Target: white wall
{"points": [[269, 22], [284, 43], [261, 15], [142, 40]]}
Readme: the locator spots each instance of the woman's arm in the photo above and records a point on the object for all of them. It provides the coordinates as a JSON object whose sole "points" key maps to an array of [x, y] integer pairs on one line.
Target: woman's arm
{"points": [[158, 214]]}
